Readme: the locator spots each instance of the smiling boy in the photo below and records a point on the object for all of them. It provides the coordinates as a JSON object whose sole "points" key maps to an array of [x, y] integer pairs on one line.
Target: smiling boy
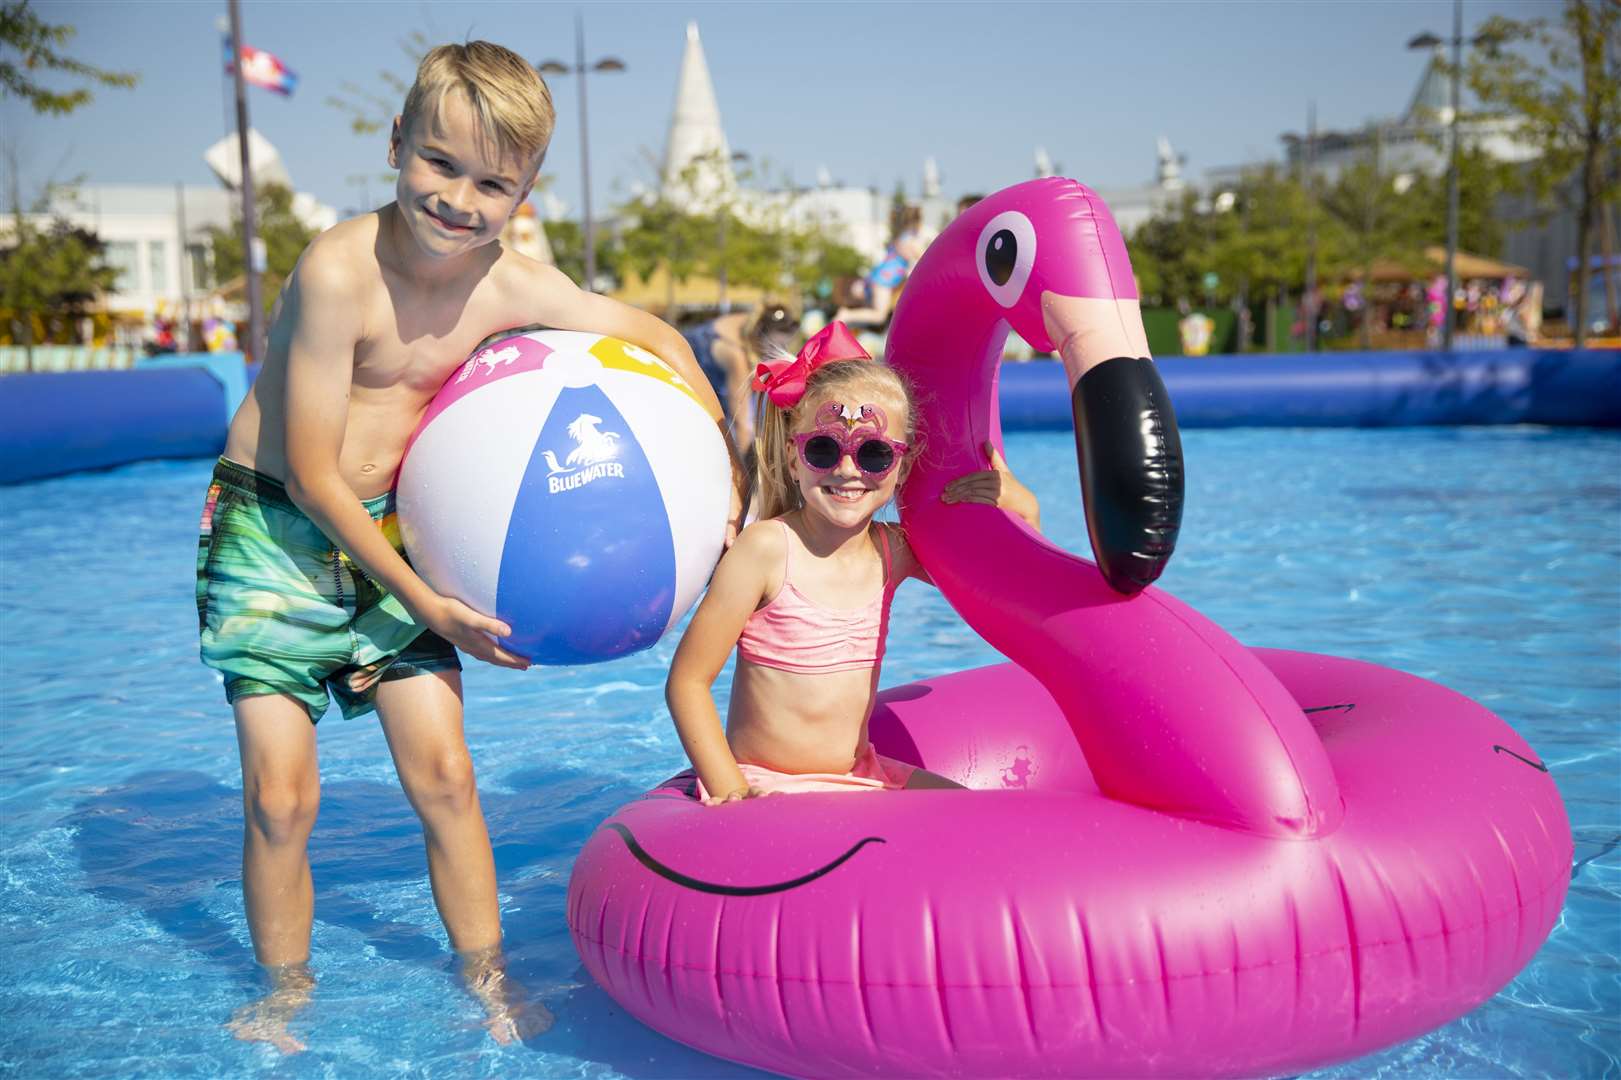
{"points": [[302, 584]]}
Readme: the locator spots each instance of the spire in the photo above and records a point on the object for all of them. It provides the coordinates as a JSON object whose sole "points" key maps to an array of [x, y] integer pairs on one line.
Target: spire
{"points": [[1044, 162], [696, 136], [1169, 172], [931, 178], [1432, 97]]}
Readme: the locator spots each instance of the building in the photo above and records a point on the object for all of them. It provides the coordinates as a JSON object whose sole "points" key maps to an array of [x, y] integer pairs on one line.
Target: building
{"points": [[1416, 142], [157, 236]]}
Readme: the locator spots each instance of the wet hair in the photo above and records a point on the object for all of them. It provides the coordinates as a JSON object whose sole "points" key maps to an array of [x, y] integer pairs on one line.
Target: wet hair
{"points": [[850, 381], [508, 97]]}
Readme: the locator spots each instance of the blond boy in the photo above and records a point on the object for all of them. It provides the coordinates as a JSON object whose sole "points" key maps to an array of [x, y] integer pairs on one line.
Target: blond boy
{"points": [[302, 586]]}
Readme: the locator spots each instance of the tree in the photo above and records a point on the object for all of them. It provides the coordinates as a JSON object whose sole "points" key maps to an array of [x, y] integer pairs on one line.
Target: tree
{"points": [[284, 236], [50, 275], [371, 111], [36, 44], [1569, 108], [568, 251], [1482, 181], [1377, 222]]}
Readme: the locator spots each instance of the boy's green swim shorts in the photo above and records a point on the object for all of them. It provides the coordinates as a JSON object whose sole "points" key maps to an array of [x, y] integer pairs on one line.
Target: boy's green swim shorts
{"points": [[282, 611]]}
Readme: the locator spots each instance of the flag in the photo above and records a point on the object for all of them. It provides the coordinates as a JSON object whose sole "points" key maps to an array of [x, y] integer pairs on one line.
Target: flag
{"points": [[262, 69]]}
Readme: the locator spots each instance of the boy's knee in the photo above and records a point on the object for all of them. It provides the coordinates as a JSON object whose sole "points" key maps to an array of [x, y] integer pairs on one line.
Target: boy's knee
{"points": [[283, 810], [445, 784]]}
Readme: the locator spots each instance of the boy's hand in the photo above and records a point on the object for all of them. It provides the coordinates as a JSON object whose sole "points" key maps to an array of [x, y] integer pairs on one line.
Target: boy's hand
{"points": [[996, 486], [472, 633]]}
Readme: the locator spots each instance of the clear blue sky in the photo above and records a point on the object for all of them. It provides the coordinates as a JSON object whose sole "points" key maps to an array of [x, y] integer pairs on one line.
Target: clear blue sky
{"points": [[869, 89]]}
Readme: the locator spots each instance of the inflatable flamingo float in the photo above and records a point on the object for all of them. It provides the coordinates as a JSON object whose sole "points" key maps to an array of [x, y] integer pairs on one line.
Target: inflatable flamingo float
{"points": [[1181, 856]]}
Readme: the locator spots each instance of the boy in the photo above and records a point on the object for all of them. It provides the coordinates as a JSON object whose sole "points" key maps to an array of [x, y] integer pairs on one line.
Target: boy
{"points": [[302, 586]]}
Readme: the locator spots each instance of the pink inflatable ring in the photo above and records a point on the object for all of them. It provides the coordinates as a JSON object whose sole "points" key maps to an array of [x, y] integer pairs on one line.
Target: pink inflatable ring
{"points": [[1181, 856]]}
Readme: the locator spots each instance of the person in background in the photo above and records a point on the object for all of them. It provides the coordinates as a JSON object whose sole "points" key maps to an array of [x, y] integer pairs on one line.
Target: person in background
{"points": [[728, 349], [885, 280]]}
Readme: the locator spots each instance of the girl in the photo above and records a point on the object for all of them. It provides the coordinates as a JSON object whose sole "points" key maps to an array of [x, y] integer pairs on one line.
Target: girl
{"points": [[804, 593]]}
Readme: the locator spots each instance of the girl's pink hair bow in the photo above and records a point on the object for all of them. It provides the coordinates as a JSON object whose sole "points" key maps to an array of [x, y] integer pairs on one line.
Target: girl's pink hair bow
{"points": [[783, 379]]}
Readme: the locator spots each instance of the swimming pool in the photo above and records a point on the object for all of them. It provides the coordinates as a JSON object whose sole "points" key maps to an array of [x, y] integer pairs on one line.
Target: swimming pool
{"points": [[1488, 559]]}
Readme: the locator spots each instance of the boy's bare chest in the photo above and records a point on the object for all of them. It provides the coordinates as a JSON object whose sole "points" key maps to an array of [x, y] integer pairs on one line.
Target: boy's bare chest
{"points": [[413, 344]]}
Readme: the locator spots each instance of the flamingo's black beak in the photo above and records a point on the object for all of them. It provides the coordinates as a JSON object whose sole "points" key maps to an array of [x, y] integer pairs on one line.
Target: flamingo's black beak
{"points": [[1131, 469]]}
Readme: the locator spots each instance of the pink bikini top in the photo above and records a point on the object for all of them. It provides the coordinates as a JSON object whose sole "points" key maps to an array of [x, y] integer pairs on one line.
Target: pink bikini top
{"points": [[792, 633]]}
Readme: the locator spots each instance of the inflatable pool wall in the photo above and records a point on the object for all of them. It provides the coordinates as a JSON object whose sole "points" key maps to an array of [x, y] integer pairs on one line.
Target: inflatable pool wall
{"points": [[52, 424]]}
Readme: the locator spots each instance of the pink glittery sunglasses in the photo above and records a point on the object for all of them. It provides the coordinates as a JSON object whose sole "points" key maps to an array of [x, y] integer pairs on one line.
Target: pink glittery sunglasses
{"points": [[835, 438]]}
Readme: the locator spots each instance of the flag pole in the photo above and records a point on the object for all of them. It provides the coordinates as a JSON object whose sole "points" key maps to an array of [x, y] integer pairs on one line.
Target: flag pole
{"points": [[250, 232]]}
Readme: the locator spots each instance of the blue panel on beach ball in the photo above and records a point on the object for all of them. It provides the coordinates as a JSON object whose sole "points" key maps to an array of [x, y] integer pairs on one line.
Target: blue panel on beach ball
{"points": [[588, 569]]}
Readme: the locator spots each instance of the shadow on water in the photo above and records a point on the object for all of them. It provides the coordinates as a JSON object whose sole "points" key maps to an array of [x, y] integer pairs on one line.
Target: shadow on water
{"points": [[166, 842]]}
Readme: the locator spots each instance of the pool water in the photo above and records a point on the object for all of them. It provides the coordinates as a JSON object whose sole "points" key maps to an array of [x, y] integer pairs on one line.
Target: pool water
{"points": [[1486, 559]]}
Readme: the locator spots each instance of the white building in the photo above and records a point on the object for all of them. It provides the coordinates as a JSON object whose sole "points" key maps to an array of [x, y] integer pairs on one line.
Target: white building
{"points": [[142, 226]]}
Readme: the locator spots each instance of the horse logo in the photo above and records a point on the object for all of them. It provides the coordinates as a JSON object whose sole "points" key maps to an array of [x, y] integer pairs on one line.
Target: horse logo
{"points": [[593, 445], [488, 358], [591, 459]]}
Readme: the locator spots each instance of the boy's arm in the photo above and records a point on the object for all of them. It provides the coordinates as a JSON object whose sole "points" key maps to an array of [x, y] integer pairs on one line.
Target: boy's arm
{"points": [[320, 371], [735, 591], [566, 306]]}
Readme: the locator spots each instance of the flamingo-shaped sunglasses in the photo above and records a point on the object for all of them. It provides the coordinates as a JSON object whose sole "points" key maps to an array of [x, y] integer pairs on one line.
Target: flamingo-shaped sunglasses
{"points": [[834, 439]]}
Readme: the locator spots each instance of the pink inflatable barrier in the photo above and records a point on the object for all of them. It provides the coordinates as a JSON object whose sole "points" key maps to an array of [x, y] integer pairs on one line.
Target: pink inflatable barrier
{"points": [[1180, 856]]}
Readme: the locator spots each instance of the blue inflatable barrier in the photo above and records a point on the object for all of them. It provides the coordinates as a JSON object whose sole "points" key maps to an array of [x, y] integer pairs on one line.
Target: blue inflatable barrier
{"points": [[52, 424], [56, 423], [1513, 386]]}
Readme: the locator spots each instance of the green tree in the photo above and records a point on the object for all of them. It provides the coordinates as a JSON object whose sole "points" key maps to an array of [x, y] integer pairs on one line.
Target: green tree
{"points": [[51, 275], [568, 251], [29, 44], [1376, 222], [284, 235], [1568, 103], [1482, 182], [370, 111], [656, 232]]}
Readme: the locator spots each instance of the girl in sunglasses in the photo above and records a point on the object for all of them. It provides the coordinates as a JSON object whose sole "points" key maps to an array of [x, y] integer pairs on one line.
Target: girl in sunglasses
{"points": [[804, 592]]}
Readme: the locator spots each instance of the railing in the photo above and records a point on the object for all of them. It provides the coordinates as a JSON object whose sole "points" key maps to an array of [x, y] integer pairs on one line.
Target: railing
{"points": [[15, 358]]}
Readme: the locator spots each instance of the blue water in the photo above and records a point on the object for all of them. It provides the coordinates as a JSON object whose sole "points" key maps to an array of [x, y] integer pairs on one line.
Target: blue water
{"points": [[1487, 559]]}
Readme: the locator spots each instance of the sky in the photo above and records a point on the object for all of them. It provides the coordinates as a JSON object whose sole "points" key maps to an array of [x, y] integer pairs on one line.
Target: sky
{"points": [[868, 90]]}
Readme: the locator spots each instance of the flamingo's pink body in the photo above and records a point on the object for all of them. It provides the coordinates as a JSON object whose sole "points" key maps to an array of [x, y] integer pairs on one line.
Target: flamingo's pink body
{"points": [[1168, 867]]}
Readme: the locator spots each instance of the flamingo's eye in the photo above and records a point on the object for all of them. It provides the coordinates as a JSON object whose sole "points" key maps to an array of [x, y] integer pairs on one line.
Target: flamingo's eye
{"points": [[1006, 252]]}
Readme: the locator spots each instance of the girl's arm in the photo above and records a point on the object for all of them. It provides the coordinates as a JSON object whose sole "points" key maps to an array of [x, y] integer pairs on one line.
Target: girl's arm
{"points": [[735, 591]]}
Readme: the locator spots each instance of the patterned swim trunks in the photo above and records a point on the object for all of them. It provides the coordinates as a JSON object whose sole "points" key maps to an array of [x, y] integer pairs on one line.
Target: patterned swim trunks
{"points": [[282, 611]]}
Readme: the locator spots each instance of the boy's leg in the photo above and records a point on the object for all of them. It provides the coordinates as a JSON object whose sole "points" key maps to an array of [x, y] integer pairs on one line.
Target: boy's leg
{"points": [[281, 792], [422, 719]]}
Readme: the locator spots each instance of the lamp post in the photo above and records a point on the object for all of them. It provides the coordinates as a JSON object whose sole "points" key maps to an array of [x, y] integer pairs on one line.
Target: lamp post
{"points": [[1427, 40], [557, 67], [252, 261]]}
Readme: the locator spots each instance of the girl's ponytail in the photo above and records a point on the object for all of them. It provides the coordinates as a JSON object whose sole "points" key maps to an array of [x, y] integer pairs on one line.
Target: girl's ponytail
{"points": [[777, 492]]}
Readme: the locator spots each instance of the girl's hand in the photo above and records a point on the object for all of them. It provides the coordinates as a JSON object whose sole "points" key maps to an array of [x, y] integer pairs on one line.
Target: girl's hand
{"points": [[738, 796], [996, 486]]}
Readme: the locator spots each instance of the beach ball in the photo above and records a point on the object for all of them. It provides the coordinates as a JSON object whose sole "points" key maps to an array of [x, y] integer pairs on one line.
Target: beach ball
{"points": [[572, 485]]}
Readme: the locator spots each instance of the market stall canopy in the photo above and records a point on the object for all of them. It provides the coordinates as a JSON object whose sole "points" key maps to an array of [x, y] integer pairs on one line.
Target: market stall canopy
{"points": [[1435, 257]]}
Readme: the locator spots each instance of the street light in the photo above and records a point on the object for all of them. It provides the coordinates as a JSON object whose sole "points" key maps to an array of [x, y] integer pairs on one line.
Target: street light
{"points": [[557, 67], [1427, 40]]}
